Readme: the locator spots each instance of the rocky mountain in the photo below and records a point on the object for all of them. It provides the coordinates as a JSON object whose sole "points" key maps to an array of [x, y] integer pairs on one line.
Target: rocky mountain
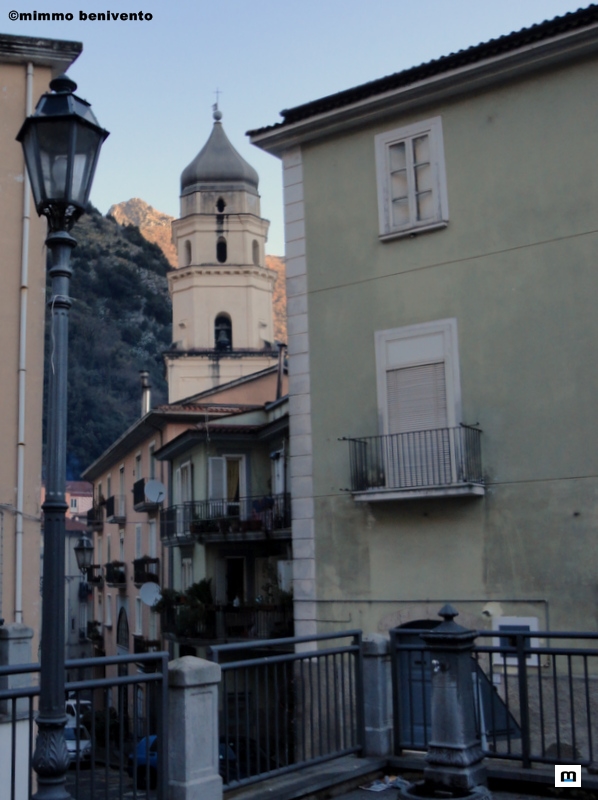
{"points": [[120, 323], [156, 227]]}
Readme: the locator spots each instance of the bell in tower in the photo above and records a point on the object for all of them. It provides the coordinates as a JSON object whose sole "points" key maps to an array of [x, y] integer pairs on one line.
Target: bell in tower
{"points": [[221, 291]]}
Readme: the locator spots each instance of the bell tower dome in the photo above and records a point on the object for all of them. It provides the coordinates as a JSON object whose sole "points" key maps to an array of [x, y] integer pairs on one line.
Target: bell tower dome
{"points": [[221, 291]]}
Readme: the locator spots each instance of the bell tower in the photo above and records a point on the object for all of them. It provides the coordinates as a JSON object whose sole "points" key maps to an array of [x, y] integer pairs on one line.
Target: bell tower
{"points": [[222, 320]]}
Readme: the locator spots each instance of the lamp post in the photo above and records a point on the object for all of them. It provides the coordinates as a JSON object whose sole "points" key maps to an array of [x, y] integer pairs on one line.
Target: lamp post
{"points": [[61, 143], [84, 553]]}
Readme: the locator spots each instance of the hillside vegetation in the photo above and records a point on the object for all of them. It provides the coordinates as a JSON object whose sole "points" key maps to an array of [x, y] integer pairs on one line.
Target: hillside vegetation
{"points": [[120, 323]]}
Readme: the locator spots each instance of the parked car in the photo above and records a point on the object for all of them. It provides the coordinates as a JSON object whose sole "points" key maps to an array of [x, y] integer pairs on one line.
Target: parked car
{"points": [[72, 704], [139, 764], [143, 762], [78, 744]]}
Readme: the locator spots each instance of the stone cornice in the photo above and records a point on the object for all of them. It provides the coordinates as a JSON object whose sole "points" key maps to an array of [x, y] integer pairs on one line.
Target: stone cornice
{"points": [[54, 53]]}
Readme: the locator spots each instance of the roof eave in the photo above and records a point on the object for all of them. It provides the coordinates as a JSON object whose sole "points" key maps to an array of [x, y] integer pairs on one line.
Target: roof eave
{"points": [[545, 54]]}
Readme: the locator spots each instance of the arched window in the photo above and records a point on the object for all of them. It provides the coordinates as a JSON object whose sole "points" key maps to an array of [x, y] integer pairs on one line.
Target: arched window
{"points": [[221, 249], [220, 205], [122, 629], [223, 332], [187, 253], [255, 252]]}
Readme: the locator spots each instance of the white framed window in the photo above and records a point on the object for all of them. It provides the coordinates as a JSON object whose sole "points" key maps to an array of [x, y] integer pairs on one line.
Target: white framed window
{"points": [[138, 545], [515, 625], [138, 474], [153, 625], [411, 177], [227, 485], [186, 573], [121, 549], [152, 539], [73, 503], [138, 616], [108, 611], [100, 610], [418, 383]]}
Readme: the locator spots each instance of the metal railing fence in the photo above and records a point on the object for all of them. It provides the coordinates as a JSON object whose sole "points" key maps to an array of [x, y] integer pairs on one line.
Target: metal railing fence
{"points": [[204, 520], [417, 459], [288, 703], [255, 621], [109, 718], [535, 695]]}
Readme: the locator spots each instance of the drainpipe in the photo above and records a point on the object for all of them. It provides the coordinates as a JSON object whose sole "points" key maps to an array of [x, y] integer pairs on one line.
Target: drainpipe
{"points": [[22, 372], [281, 348]]}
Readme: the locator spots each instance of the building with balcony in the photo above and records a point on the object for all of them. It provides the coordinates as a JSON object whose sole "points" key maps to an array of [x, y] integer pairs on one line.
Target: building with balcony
{"points": [[27, 65], [133, 489], [228, 527], [441, 294]]}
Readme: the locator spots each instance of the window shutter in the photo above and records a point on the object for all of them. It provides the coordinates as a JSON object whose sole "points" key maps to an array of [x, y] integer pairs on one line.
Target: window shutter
{"points": [[416, 398], [217, 478]]}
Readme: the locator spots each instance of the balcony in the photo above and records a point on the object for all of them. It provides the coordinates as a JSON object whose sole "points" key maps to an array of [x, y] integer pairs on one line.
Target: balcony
{"points": [[142, 644], [222, 623], [115, 573], [140, 501], [94, 575], [445, 462], [94, 633], [95, 518], [116, 509], [146, 569], [247, 519]]}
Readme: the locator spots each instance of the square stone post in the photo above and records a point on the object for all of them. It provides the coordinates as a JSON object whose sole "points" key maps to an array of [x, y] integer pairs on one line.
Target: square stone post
{"points": [[193, 730], [377, 695]]}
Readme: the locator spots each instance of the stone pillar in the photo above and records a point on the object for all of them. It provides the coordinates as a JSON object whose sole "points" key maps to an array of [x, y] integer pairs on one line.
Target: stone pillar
{"points": [[455, 758], [378, 694], [15, 648], [193, 730]]}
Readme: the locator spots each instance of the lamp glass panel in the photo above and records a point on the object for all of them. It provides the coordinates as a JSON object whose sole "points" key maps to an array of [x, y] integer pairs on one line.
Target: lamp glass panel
{"points": [[87, 145], [30, 150], [54, 141]]}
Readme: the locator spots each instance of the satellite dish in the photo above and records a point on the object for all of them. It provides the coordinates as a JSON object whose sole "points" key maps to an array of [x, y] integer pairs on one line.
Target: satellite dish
{"points": [[150, 594], [155, 492]]}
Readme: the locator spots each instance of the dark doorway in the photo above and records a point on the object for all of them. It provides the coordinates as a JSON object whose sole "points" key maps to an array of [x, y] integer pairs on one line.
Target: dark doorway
{"points": [[235, 579]]}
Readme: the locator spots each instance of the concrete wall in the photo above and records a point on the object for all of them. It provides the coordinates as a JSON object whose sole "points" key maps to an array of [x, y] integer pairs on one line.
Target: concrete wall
{"points": [[516, 268]]}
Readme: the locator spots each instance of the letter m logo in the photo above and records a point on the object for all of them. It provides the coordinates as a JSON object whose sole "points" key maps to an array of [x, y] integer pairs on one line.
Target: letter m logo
{"points": [[568, 775]]}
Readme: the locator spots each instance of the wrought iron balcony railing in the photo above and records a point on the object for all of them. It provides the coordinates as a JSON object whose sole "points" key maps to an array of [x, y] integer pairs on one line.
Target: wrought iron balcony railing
{"points": [[141, 644], [94, 575], [218, 622], [140, 501], [216, 520], [116, 509], [95, 518], [116, 574], [146, 569], [442, 461]]}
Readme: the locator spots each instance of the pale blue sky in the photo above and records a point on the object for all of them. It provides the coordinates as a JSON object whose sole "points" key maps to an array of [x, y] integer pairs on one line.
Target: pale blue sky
{"points": [[152, 84]]}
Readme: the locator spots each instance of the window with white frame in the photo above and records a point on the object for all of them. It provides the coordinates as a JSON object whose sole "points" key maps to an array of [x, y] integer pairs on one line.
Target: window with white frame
{"points": [[186, 573], [138, 616], [412, 195], [153, 625], [152, 538], [108, 611], [138, 545], [417, 370], [419, 400]]}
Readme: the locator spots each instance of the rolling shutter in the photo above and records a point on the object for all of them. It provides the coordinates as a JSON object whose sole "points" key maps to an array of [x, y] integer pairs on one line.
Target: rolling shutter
{"points": [[416, 398]]}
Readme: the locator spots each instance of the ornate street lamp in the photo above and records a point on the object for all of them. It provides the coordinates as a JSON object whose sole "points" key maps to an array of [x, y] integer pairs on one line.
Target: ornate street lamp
{"points": [[61, 142], [84, 553]]}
